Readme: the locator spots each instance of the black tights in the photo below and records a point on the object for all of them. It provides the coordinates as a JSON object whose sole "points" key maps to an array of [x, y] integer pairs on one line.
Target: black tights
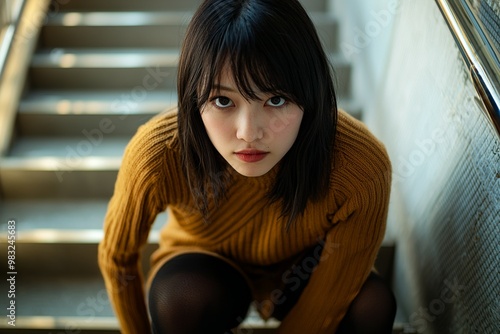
{"points": [[197, 293], [372, 311]]}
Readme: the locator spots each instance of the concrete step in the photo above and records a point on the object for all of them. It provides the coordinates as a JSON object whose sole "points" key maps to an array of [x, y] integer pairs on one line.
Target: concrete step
{"points": [[139, 71], [141, 29], [72, 176], [59, 237], [79, 113], [88, 145], [115, 30], [152, 5]]}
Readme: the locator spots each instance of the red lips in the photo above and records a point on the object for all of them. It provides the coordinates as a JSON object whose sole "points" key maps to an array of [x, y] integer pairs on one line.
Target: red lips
{"points": [[251, 155]]}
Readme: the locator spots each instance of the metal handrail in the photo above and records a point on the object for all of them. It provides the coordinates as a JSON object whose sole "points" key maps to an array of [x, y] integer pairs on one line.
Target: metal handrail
{"points": [[26, 21], [478, 48], [10, 12]]}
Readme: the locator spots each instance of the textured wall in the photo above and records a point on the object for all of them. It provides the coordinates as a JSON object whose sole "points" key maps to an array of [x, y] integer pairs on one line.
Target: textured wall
{"points": [[445, 209]]}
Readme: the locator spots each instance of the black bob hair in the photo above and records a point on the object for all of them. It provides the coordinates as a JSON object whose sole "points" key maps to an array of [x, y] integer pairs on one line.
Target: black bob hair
{"points": [[270, 45]]}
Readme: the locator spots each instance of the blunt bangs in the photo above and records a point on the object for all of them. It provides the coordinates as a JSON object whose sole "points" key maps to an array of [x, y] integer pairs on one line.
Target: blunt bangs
{"points": [[251, 70]]}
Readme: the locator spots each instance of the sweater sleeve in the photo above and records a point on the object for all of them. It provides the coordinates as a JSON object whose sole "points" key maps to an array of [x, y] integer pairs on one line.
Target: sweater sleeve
{"points": [[138, 197], [351, 246]]}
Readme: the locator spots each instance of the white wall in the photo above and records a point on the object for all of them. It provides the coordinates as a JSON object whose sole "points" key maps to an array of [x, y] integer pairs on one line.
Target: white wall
{"points": [[418, 99]]}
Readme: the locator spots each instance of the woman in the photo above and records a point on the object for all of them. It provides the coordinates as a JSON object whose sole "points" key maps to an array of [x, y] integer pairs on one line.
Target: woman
{"points": [[274, 196]]}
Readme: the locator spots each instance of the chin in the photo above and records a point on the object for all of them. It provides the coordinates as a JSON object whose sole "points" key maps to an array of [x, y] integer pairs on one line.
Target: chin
{"points": [[251, 172]]}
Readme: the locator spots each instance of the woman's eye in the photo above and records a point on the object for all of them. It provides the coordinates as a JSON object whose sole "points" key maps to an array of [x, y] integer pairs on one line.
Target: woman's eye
{"points": [[223, 102], [276, 101]]}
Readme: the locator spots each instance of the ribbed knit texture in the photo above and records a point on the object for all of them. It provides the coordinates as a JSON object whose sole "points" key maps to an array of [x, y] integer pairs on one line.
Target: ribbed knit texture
{"points": [[246, 229]]}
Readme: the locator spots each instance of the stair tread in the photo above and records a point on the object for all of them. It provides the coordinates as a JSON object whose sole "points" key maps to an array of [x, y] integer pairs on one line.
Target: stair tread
{"points": [[60, 164], [58, 296], [110, 19], [64, 102], [33, 147], [53, 220], [104, 58]]}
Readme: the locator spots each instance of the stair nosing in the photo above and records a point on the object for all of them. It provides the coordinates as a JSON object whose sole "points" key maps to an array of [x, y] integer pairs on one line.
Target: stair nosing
{"points": [[106, 323], [59, 236], [87, 58], [59, 102], [59, 164], [119, 19]]}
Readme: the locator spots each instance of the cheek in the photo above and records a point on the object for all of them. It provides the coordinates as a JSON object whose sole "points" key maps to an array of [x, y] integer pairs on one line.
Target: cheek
{"points": [[215, 127], [286, 121]]}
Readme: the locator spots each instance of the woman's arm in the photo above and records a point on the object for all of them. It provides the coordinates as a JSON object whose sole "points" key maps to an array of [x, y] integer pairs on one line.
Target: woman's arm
{"points": [[138, 197], [348, 256]]}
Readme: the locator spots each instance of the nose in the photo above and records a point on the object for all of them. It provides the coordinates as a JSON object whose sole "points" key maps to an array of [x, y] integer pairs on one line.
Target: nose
{"points": [[249, 125]]}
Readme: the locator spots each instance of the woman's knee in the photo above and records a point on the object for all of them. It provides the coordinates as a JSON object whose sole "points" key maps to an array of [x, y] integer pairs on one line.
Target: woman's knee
{"points": [[197, 291]]}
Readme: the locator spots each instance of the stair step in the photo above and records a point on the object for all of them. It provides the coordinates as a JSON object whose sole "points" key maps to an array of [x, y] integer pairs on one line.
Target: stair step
{"points": [[138, 70], [47, 214], [94, 145], [72, 113], [64, 229], [75, 175], [44, 253], [152, 5], [115, 30], [65, 215], [141, 29]]}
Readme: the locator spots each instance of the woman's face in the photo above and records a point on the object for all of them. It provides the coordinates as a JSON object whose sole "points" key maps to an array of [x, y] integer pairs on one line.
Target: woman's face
{"points": [[251, 135]]}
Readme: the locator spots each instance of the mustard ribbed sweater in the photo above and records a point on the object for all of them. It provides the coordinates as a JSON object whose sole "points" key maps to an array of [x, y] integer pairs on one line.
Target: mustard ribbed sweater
{"points": [[246, 229]]}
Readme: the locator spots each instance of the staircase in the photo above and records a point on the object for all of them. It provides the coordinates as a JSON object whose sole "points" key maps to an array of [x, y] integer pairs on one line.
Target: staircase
{"points": [[101, 68]]}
